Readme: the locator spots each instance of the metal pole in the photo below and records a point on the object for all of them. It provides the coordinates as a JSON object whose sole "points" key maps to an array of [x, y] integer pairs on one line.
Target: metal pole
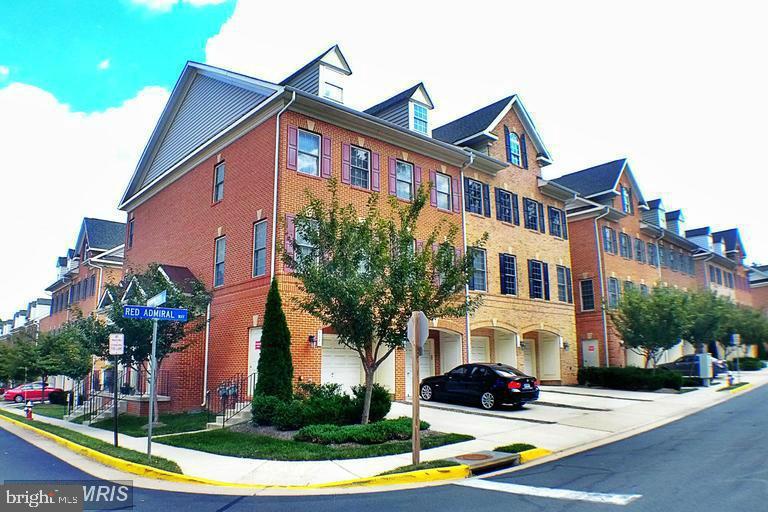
{"points": [[114, 400], [416, 432], [153, 364]]}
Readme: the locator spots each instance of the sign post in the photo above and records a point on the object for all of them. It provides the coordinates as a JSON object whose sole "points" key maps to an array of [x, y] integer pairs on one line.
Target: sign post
{"points": [[152, 312], [736, 341], [418, 331], [116, 348]]}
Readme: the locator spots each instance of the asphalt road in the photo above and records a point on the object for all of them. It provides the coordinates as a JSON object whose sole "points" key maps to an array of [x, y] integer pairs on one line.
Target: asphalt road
{"points": [[715, 460]]}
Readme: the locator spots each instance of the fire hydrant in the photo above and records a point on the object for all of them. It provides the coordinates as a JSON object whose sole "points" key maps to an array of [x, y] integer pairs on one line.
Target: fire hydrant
{"points": [[28, 409], [730, 379]]}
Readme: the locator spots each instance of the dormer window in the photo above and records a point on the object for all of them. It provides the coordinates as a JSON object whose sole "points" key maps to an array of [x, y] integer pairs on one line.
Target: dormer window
{"points": [[626, 199], [513, 142], [333, 92], [420, 118]]}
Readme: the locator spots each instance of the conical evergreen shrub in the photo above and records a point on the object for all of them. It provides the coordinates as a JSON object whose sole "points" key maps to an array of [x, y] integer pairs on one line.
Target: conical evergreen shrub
{"points": [[275, 370]]}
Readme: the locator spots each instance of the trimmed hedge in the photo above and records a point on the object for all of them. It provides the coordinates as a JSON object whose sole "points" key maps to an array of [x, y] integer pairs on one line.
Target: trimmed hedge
{"points": [[59, 397], [315, 404], [747, 364], [630, 378], [372, 433], [514, 448]]}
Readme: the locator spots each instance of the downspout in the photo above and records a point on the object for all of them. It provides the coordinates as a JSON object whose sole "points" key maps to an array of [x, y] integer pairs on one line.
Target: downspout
{"points": [[658, 256], [274, 193], [464, 241], [602, 285], [205, 364]]}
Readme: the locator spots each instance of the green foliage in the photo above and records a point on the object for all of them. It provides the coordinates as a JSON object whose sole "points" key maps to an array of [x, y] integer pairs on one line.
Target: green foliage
{"points": [[263, 408], [650, 324], [275, 370], [514, 448], [67, 351], [20, 358], [59, 397], [630, 378], [371, 433], [708, 316], [381, 403], [748, 322], [430, 464], [363, 278], [746, 364]]}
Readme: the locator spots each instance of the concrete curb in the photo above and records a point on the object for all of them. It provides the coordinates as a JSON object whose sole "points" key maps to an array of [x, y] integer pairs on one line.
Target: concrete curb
{"points": [[533, 454], [411, 477]]}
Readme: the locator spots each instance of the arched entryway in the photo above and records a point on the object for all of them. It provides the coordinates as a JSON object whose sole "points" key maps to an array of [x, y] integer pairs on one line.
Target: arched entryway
{"points": [[540, 351], [441, 353], [494, 345]]}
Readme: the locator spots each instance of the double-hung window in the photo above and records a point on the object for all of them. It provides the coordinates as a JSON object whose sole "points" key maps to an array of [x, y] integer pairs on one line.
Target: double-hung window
{"points": [[333, 92], [625, 246], [644, 289], [538, 279], [474, 196], [628, 286], [532, 214], [564, 286], [309, 153], [130, 232], [508, 273], [360, 167], [220, 253], [504, 210], [556, 222], [260, 248], [514, 148], [639, 250], [587, 289], [614, 293], [303, 246], [626, 199], [609, 240], [218, 182], [420, 118], [719, 275], [443, 191], [478, 280], [712, 278], [663, 261], [404, 180], [653, 255]]}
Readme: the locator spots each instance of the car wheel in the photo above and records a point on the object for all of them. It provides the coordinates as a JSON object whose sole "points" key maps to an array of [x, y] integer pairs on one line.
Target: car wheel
{"points": [[426, 393], [487, 401], [18, 399]]}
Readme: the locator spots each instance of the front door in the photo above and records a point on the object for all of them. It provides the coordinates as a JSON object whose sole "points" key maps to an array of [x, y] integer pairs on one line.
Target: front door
{"points": [[529, 355], [254, 352], [479, 352], [589, 353]]}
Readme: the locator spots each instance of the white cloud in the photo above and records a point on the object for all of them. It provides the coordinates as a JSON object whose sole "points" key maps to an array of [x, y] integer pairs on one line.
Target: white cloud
{"points": [[58, 167], [167, 5], [683, 99], [4, 72], [104, 64]]}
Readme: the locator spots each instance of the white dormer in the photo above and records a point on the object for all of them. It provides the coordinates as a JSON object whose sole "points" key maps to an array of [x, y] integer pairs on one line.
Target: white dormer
{"points": [[418, 111], [409, 109], [324, 76]]}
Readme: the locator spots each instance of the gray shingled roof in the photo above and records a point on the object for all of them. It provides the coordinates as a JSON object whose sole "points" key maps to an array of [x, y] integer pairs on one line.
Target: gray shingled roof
{"points": [[394, 100], [674, 215], [472, 123], [594, 180], [730, 237], [104, 234], [654, 204], [698, 231]]}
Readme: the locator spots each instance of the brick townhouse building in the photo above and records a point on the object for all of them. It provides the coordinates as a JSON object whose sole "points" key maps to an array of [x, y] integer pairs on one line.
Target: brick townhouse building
{"points": [[620, 241], [228, 166], [758, 283], [82, 275], [26, 319]]}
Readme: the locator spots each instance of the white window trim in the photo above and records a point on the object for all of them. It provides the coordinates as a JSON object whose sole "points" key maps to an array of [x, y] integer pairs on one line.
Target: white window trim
{"points": [[519, 154], [485, 269], [450, 191], [411, 118], [397, 180], [352, 148], [299, 152], [223, 262], [253, 248]]}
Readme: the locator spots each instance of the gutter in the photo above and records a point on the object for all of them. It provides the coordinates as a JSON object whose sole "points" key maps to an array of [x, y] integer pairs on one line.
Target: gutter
{"points": [[602, 285], [466, 164], [274, 192]]}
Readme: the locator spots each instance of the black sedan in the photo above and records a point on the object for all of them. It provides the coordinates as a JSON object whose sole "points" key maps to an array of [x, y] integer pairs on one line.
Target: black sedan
{"points": [[688, 365], [488, 385]]}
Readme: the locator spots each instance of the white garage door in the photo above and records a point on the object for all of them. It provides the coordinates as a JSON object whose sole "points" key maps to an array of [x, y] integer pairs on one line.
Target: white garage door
{"points": [[340, 364], [479, 352], [426, 365]]}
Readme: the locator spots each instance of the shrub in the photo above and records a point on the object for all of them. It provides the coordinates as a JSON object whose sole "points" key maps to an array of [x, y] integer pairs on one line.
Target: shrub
{"points": [[372, 433], [59, 397], [630, 378], [289, 415], [381, 403], [263, 408], [514, 448], [747, 364], [275, 369]]}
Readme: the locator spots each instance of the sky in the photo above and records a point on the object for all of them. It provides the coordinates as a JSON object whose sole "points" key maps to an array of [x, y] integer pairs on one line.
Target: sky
{"points": [[676, 87]]}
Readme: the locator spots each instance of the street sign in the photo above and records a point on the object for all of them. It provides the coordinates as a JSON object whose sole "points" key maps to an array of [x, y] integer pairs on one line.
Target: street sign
{"points": [[418, 329], [157, 300], [116, 344], [149, 313]]}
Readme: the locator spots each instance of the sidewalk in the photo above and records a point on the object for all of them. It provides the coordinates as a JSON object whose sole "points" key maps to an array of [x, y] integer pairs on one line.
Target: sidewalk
{"points": [[575, 416]]}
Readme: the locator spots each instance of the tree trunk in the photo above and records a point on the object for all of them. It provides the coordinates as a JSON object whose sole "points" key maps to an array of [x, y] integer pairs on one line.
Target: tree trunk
{"points": [[368, 393]]}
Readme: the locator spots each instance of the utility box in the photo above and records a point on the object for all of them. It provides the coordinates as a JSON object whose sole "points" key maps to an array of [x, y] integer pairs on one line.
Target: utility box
{"points": [[705, 366]]}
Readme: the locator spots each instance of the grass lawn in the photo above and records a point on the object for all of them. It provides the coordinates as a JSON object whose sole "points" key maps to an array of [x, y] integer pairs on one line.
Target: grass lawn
{"points": [[173, 423], [50, 410], [514, 448], [101, 446], [240, 444], [422, 465], [735, 386]]}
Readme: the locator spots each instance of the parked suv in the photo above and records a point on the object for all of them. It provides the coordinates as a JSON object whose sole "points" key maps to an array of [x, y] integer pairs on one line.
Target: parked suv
{"points": [[31, 391], [488, 385], [689, 366]]}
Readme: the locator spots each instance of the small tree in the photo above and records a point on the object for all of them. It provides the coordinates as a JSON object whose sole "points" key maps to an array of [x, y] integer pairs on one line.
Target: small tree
{"points": [[749, 323], [650, 324], [363, 275], [275, 370], [135, 288], [22, 358], [65, 352], [707, 314]]}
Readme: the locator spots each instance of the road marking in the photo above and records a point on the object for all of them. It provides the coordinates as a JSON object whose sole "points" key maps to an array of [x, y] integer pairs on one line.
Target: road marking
{"points": [[547, 492]]}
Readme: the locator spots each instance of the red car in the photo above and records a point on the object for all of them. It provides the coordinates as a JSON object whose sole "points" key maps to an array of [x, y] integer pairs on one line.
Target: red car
{"points": [[32, 391]]}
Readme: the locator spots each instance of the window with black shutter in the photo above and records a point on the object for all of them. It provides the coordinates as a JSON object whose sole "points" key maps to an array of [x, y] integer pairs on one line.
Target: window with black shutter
{"points": [[508, 274], [473, 190], [587, 288], [503, 205]]}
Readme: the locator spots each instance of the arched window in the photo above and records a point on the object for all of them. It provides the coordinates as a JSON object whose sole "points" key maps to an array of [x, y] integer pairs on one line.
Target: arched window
{"points": [[513, 145]]}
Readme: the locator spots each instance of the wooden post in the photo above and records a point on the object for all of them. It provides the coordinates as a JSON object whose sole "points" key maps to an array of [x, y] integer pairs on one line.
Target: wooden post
{"points": [[416, 435]]}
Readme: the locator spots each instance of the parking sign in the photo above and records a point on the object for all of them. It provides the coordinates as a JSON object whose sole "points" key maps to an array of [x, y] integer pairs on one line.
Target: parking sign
{"points": [[116, 344]]}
